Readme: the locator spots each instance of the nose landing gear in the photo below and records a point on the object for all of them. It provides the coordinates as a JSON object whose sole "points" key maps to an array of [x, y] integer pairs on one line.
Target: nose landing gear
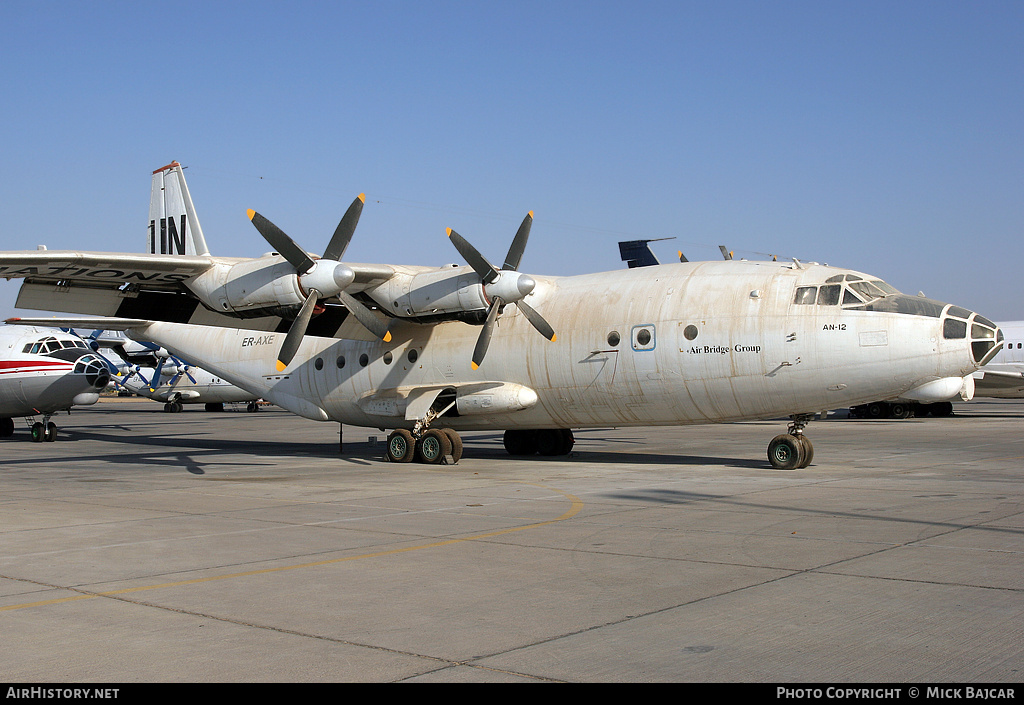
{"points": [[44, 431], [792, 450]]}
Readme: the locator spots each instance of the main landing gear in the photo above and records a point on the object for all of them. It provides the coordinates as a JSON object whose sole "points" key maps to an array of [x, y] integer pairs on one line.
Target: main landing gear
{"points": [[545, 441], [793, 449], [433, 446], [444, 445], [42, 431]]}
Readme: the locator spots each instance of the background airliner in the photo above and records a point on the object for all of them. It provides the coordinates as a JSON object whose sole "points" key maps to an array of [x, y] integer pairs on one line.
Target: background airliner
{"points": [[43, 371]]}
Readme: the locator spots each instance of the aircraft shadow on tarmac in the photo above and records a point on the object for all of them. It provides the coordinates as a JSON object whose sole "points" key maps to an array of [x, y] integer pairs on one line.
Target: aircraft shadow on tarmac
{"points": [[676, 497], [185, 449]]}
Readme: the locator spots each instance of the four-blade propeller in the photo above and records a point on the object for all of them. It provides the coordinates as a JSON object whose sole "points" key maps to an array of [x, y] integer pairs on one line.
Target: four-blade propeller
{"points": [[320, 278], [502, 286]]}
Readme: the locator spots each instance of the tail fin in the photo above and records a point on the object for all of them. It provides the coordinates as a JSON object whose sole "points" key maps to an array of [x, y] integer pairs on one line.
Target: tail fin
{"points": [[173, 225]]}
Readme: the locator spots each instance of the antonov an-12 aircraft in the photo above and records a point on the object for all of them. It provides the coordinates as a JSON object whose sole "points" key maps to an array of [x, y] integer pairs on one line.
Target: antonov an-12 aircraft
{"points": [[430, 351]]}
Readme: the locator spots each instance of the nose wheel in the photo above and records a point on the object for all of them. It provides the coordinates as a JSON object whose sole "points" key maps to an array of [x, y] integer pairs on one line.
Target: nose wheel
{"points": [[792, 450], [44, 431]]}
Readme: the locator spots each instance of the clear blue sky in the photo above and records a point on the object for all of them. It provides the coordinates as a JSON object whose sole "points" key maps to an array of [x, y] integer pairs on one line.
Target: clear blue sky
{"points": [[882, 136]]}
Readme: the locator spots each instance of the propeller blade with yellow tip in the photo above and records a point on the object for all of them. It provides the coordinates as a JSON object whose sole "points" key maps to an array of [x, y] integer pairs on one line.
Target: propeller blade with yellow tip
{"points": [[377, 326], [502, 286], [296, 332], [323, 278]]}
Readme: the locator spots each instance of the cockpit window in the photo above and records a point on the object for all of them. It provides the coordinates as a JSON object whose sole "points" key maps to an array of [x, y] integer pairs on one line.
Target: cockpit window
{"points": [[828, 295], [888, 289], [856, 291], [867, 290], [806, 295]]}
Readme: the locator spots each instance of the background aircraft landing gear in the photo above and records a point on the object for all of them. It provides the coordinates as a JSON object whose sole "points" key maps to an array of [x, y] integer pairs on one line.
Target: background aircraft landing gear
{"points": [[792, 450], [44, 430]]}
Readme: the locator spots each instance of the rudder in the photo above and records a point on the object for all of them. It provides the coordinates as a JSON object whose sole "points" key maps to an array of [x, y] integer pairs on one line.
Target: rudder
{"points": [[173, 225]]}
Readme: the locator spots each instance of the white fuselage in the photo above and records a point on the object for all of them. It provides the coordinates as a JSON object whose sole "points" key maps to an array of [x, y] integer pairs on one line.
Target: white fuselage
{"points": [[681, 343], [43, 371]]}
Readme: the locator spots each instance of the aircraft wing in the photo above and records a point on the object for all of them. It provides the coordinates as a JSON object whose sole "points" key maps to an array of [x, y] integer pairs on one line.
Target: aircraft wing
{"points": [[79, 322], [994, 380], [100, 267]]}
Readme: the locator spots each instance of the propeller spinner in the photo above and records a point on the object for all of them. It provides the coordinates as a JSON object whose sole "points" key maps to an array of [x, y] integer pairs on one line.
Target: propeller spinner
{"points": [[321, 278], [502, 286]]}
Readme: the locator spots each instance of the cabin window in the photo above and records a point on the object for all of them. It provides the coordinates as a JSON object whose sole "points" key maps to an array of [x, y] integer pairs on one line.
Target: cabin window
{"points": [[643, 337], [690, 332], [319, 363], [341, 361], [613, 338], [388, 357], [412, 355], [364, 360], [806, 295]]}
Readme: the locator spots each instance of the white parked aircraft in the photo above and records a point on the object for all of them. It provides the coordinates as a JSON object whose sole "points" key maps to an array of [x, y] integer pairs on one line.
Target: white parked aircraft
{"points": [[176, 383], [150, 371], [44, 371], [428, 351]]}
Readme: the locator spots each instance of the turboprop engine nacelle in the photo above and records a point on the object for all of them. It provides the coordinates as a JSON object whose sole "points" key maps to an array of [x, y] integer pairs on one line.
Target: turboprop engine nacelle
{"points": [[268, 286], [449, 290]]}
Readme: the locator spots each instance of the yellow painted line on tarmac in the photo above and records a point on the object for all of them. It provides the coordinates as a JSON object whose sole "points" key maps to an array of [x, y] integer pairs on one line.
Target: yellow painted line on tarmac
{"points": [[574, 509]]}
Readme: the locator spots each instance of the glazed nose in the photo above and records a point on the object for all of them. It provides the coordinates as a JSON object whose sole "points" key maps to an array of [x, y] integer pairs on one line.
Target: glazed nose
{"points": [[984, 335]]}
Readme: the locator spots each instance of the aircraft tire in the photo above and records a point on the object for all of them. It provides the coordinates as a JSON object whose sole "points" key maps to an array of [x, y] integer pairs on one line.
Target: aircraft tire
{"points": [[38, 432], [786, 452], [808, 450], [401, 446], [941, 408], [898, 410], [554, 441], [520, 442], [456, 440], [878, 410], [433, 446], [50, 434]]}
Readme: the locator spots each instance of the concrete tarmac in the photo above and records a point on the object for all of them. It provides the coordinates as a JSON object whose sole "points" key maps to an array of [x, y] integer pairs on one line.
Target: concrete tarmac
{"points": [[144, 546]]}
